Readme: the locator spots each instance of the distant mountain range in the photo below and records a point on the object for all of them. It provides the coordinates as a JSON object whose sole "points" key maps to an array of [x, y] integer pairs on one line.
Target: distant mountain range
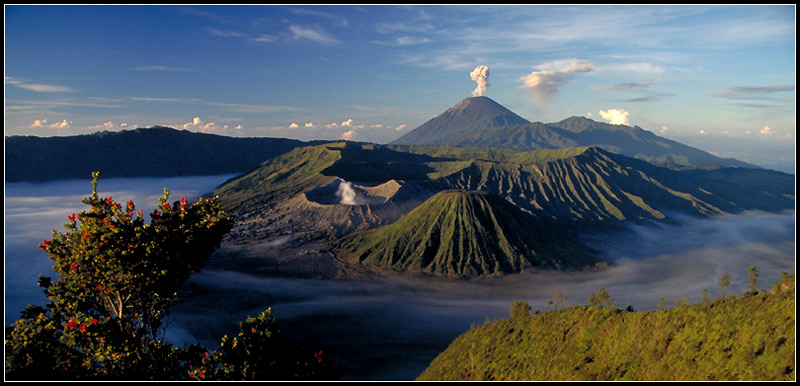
{"points": [[480, 121], [508, 179], [151, 152], [302, 193]]}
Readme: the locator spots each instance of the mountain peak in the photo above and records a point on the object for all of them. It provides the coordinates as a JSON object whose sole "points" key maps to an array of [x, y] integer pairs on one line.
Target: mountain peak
{"points": [[481, 107], [471, 115]]}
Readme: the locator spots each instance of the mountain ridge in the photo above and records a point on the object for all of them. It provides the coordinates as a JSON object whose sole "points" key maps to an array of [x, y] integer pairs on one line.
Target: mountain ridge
{"points": [[476, 126], [156, 151]]}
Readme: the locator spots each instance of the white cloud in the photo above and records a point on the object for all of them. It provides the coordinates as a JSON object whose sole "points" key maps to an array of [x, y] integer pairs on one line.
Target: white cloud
{"points": [[767, 131], [64, 124], [39, 123], [293, 125], [546, 81], [754, 92], [198, 124], [400, 127], [615, 116], [347, 123], [37, 87], [348, 134], [305, 33], [309, 124]]}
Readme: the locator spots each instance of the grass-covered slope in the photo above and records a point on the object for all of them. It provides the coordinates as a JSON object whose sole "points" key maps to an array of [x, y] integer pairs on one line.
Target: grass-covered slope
{"points": [[574, 185], [748, 337], [465, 234], [280, 178]]}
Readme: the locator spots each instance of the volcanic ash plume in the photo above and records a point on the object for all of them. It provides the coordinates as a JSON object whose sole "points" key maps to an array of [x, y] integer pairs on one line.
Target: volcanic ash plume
{"points": [[346, 194], [481, 75]]}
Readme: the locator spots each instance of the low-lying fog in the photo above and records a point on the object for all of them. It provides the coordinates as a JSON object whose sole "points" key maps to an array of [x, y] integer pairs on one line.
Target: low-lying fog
{"points": [[392, 329]]}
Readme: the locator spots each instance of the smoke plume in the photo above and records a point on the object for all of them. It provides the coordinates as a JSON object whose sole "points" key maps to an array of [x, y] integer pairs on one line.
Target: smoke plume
{"points": [[481, 75], [346, 193]]}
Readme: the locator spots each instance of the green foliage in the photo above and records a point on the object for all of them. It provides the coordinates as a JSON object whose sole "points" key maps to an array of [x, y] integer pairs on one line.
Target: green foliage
{"points": [[118, 276], [257, 353], [724, 282], [465, 234], [557, 299], [601, 299], [751, 279], [747, 337], [520, 309]]}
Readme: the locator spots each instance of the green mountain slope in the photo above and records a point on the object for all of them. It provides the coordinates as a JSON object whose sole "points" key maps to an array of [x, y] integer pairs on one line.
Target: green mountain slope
{"points": [[572, 185], [279, 178], [465, 234], [749, 337], [151, 152], [479, 125]]}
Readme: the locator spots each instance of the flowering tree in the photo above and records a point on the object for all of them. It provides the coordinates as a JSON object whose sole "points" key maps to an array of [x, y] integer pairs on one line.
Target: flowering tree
{"points": [[117, 278]]}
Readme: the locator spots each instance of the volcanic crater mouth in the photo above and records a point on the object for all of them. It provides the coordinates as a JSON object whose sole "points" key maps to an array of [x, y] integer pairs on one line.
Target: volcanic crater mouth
{"points": [[341, 192]]}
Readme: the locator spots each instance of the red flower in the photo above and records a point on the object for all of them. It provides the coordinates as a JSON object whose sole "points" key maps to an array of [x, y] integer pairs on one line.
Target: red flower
{"points": [[71, 325], [94, 321], [183, 201], [71, 217], [82, 328], [74, 266], [108, 200]]}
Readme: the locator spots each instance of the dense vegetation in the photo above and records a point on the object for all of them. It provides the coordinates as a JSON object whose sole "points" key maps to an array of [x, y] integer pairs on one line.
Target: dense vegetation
{"points": [[118, 276], [745, 337], [137, 153], [465, 234]]}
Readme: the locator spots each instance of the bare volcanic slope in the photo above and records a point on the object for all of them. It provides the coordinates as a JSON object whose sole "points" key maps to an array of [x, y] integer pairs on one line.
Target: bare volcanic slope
{"points": [[466, 118], [481, 121], [297, 191], [465, 234]]}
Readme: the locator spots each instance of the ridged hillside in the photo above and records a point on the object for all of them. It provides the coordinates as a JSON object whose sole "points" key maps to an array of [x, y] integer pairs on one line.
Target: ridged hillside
{"points": [[279, 179], [465, 234], [575, 186], [750, 337]]}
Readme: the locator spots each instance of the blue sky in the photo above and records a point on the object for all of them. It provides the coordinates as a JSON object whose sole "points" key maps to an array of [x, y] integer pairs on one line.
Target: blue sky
{"points": [[721, 78]]}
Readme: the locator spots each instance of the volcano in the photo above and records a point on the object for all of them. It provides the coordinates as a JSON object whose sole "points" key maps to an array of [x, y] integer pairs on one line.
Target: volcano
{"points": [[465, 234], [482, 122]]}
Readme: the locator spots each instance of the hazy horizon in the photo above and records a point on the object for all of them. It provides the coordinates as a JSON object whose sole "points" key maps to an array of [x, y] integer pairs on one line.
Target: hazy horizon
{"points": [[699, 74]]}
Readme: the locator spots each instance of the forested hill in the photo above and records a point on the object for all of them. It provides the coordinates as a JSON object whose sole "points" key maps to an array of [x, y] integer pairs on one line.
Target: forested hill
{"points": [[747, 337], [143, 152]]}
